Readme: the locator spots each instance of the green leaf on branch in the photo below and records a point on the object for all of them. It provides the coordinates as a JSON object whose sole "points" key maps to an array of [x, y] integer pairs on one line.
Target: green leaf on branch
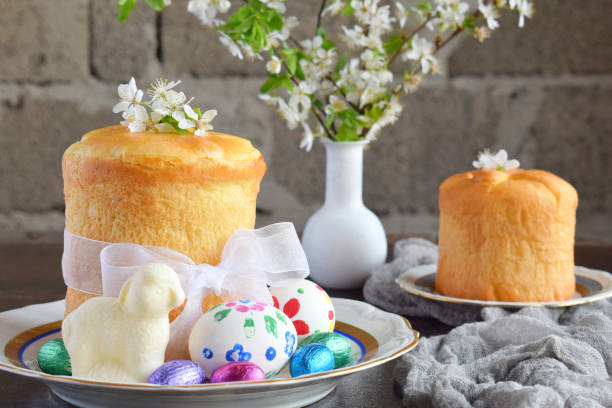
{"points": [[374, 113], [292, 60], [271, 19], [239, 23], [257, 38], [347, 133], [425, 7], [329, 120], [350, 117], [174, 123], [198, 112], [274, 81], [393, 44], [125, 8], [347, 10], [468, 23], [157, 5], [327, 44], [341, 62]]}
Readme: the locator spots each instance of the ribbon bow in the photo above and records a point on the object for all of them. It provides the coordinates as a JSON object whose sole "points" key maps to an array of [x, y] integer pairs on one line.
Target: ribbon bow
{"points": [[251, 260]]}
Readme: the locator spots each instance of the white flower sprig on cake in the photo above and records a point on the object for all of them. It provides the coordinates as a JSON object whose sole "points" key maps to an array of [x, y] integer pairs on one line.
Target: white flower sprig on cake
{"points": [[349, 94], [166, 111], [497, 161]]}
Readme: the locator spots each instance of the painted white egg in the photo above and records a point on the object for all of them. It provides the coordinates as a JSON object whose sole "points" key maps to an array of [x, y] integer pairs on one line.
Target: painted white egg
{"points": [[243, 330], [307, 305]]}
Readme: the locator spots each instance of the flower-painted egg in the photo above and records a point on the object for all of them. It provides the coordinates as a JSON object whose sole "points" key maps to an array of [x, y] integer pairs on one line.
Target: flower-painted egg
{"points": [[308, 306], [243, 330], [239, 371], [178, 372], [310, 359], [53, 358], [337, 343]]}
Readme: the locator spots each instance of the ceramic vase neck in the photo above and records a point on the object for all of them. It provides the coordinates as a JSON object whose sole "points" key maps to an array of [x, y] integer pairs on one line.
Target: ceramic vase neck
{"points": [[344, 173]]}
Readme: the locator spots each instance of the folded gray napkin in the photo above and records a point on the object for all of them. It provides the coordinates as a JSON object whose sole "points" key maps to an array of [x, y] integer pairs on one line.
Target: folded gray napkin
{"points": [[534, 357], [382, 291]]}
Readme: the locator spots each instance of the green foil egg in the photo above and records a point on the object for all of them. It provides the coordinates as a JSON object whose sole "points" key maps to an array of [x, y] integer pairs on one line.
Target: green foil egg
{"points": [[53, 358], [338, 344]]}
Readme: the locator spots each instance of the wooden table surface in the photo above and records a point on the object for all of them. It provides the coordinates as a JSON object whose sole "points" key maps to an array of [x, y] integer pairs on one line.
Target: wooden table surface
{"points": [[31, 273]]}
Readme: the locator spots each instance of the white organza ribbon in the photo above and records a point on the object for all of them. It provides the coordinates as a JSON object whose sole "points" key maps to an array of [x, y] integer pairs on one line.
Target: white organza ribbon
{"points": [[251, 260]]}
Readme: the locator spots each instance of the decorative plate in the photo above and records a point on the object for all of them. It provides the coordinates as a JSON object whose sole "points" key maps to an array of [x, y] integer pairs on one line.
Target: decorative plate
{"points": [[376, 337], [591, 285]]}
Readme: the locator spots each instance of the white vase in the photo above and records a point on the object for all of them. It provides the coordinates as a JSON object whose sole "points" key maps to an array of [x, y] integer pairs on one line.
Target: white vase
{"points": [[343, 240]]}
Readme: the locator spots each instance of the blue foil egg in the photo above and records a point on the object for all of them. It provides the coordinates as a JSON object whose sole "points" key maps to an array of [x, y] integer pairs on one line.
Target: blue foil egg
{"points": [[178, 372], [310, 359]]}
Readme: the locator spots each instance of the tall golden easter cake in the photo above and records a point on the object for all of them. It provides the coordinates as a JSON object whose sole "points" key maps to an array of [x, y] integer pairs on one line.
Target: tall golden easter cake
{"points": [[184, 192], [507, 236]]}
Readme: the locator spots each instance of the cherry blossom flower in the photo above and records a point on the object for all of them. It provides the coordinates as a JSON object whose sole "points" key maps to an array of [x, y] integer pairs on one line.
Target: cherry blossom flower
{"points": [[450, 15], [421, 50], [525, 9], [230, 45], [129, 95], [490, 13], [166, 111], [401, 14], [307, 137], [336, 104], [334, 8], [206, 10], [354, 94], [202, 124], [275, 4], [160, 88], [274, 65], [136, 118], [498, 161], [184, 122]]}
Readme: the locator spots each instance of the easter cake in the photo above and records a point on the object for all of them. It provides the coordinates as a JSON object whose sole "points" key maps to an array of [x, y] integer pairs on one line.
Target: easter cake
{"points": [[179, 191], [506, 234], [167, 279]]}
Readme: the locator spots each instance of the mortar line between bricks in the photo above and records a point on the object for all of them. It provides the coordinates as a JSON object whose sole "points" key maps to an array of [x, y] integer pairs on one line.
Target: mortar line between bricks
{"points": [[532, 80], [458, 82], [90, 40]]}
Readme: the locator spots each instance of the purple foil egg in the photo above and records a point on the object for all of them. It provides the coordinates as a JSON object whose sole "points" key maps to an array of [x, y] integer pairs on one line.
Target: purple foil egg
{"points": [[178, 372], [238, 371]]}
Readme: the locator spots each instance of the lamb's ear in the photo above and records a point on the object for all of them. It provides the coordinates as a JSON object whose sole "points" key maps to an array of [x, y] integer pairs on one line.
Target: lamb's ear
{"points": [[124, 292]]}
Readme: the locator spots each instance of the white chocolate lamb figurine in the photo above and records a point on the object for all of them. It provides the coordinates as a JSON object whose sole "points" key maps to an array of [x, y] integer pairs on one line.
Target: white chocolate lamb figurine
{"points": [[124, 339]]}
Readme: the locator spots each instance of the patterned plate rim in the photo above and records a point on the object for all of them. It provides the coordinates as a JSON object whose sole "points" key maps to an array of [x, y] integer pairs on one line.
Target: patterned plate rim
{"points": [[370, 343], [603, 278]]}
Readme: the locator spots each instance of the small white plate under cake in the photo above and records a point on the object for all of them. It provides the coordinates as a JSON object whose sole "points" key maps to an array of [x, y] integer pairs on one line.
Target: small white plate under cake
{"points": [[591, 285], [375, 336]]}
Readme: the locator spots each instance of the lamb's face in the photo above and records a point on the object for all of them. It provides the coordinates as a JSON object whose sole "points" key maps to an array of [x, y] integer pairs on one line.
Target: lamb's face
{"points": [[154, 290]]}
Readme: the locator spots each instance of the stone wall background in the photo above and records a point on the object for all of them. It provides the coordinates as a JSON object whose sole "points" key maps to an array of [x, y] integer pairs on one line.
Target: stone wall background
{"points": [[543, 92]]}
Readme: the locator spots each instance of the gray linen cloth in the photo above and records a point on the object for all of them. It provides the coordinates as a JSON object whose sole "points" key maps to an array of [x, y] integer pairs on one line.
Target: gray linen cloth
{"points": [[535, 357], [382, 291]]}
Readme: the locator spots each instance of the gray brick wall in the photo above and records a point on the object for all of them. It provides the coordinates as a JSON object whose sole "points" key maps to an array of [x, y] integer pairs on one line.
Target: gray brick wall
{"points": [[543, 92]]}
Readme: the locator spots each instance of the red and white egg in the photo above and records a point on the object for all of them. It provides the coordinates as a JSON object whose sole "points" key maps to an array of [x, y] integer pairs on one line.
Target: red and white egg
{"points": [[307, 305]]}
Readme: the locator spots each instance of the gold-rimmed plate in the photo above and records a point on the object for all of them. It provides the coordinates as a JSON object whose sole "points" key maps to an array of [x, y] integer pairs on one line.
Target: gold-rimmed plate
{"points": [[375, 336], [591, 285]]}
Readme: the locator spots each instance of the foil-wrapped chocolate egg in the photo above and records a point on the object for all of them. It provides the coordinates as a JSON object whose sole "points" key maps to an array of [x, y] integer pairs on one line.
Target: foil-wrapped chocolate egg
{"points": [[310, 359], [178, 372], [239, 371], [53, 358], [337, 343]]}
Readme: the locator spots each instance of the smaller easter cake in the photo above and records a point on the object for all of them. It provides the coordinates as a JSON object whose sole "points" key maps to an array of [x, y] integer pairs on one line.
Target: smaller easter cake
{"points": [[506, 234]]}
